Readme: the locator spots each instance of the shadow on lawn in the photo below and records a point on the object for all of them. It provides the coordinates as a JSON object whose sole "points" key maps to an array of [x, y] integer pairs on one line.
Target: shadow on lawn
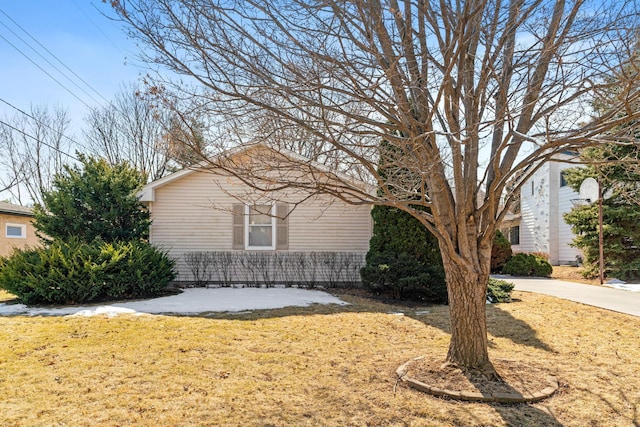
{"points": [[500, 323]]}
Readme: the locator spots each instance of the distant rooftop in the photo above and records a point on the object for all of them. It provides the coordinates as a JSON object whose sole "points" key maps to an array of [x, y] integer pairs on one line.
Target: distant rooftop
{"points": [[10, 208]]}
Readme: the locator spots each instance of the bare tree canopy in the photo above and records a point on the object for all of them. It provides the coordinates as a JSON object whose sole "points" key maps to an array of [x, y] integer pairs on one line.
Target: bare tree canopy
{"points": [[129, 129], [464, 94], [34, 148]]}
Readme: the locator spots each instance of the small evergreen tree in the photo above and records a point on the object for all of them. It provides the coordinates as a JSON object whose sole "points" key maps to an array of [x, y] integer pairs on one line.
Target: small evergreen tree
{"points": [[621, 237], [404, 259], [93, 200]]}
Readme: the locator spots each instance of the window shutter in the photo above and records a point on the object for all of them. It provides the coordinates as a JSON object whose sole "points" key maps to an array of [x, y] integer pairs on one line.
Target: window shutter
{"points": [[282, 226], [238, 226]]}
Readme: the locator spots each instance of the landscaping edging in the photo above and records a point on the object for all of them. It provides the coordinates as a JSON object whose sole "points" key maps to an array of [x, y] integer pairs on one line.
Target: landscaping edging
{"points": [[476, 396]]}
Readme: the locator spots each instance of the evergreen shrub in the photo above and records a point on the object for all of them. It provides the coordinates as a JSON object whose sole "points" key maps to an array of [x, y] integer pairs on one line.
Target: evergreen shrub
{"points": [[528, 265], [404, 260], [500, 252], [402, 276], [75, 272], [499, 290]]}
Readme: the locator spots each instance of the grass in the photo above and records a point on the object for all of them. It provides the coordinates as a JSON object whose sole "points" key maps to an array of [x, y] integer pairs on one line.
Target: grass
{"points": [[316, 366], [572, 274], [5, 296]]}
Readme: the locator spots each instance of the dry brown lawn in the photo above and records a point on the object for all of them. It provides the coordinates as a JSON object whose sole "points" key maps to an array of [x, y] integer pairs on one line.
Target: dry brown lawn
{"points": [[572, 274], [317, 366]]}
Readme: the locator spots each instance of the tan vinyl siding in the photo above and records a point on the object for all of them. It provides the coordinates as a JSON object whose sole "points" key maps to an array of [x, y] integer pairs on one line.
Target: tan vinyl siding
{"points": [[193, 214], [322, 226], [7, 244]]}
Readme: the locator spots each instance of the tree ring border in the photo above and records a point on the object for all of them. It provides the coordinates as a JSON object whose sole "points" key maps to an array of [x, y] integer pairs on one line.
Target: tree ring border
{"points": [[402, 373]]}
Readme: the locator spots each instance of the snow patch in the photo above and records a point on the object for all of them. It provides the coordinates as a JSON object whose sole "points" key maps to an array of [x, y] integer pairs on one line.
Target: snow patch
{"points": [[191, 301], [619, 284]]}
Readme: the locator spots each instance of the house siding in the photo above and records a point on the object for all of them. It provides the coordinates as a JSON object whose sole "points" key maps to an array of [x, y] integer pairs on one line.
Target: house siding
{"points": [[566, 198], [534, 227], [7, 245], [542, 227], [193, 214]]}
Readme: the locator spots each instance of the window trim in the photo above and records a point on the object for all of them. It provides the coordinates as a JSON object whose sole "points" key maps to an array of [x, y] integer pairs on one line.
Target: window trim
{"points": [[247, 227], [514, 238], [563, 178], [22, 227]]}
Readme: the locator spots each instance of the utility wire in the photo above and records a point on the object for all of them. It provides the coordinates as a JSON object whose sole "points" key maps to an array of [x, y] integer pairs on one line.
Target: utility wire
{"points": [[53, 56], [97, 26], [39, 140], [44, 71], [59, 132], [50, 63], [153, 147]]}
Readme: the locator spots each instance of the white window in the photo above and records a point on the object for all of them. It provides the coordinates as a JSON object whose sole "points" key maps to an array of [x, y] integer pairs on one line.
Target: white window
{"points": [[16, 231], [260, 227]]}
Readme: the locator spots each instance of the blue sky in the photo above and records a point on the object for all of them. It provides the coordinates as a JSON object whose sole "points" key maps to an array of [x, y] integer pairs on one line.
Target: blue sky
{"points": [[75, 31]]}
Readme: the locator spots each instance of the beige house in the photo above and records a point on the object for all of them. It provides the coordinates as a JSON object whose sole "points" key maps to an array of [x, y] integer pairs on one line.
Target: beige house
{"points": [[220, 230], [16, 228]]}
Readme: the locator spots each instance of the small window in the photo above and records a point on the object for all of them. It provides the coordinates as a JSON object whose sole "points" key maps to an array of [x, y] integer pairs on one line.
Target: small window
{"points": [[563, 179], [260, 227], [16, 231], [514, 235], [532, 188]]}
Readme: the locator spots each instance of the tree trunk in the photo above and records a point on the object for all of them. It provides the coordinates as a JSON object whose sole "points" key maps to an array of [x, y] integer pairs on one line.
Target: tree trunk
{"points": [[467, 301]]}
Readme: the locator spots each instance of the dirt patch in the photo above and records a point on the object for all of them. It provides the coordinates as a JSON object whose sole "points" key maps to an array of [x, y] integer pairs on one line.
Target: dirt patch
{"points": [[515, 381]]}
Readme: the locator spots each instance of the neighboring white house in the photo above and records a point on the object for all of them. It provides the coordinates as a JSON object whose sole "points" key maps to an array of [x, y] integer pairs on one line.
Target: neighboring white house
{"points": [[544, 198], [203, 216]]}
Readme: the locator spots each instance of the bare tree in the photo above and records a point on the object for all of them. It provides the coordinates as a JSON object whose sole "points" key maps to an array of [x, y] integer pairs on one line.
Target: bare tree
{"points": [[467, 94], [131, 129], [34, 147]]}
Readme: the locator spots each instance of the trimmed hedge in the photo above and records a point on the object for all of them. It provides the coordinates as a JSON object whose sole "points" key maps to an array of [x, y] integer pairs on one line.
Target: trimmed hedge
{"points": [[75, 272], [528, 265]]}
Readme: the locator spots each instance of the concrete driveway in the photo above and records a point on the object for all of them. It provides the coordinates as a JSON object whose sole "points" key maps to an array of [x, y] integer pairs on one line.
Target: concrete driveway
{"points": [[598, 296]]}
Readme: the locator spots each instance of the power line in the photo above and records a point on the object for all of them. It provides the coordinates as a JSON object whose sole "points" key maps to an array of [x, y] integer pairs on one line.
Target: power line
{"points": [[97, 26], [38, 140], [47, 60], [153, 147], [44, 71], [54, 56], [43, 124]]}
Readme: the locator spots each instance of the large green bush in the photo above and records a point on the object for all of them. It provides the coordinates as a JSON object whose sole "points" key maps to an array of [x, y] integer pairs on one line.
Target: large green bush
{"points": [[527, 265], [404, 260], [402, 276], [76, 272]]}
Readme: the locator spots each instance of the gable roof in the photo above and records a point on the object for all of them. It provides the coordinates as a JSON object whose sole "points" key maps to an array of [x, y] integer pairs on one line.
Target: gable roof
{"points": [[10, 208], [147, 194]]}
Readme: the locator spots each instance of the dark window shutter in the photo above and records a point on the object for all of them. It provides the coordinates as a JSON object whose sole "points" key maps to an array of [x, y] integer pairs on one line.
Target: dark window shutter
{"points": [[282, 226], [238, 226]]}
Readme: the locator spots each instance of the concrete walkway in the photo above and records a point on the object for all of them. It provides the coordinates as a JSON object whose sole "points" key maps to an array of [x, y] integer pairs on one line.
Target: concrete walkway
{"points": [[598, 296]]}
